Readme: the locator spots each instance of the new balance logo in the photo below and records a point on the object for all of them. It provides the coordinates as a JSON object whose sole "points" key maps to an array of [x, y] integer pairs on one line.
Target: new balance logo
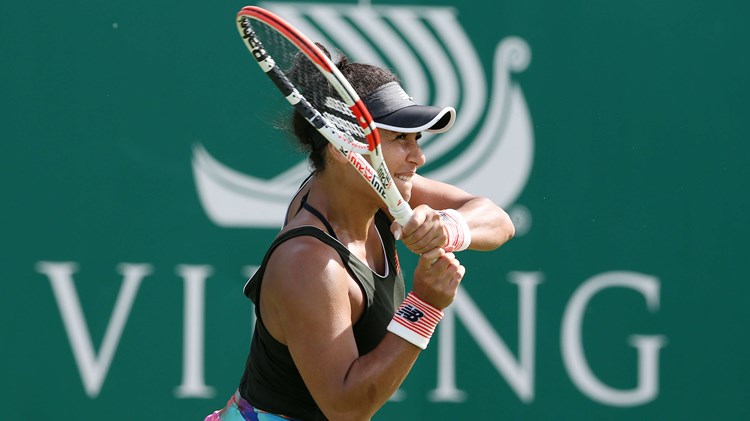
{"points": [[410, 313]]}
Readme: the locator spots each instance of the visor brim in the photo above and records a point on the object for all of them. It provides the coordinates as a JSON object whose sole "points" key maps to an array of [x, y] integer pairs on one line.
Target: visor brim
{"points": [[418, 118]]}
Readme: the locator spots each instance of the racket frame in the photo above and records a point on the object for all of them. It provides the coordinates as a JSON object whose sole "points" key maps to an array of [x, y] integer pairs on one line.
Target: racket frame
{"points": [[377, 175]]}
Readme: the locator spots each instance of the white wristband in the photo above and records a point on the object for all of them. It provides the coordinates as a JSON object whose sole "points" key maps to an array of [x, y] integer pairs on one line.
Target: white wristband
{"points": [[415, 321], [459, 234]]}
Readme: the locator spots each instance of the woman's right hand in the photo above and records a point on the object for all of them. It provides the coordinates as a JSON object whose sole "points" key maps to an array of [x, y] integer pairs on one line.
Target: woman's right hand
{"points": [[437, 277]]}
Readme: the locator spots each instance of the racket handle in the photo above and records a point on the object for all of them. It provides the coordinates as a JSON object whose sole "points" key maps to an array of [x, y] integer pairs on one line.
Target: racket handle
{"points": [[402, 214]]}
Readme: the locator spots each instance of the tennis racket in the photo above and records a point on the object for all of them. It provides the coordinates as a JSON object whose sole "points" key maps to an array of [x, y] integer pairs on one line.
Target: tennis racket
{"points": [[318, 91]]}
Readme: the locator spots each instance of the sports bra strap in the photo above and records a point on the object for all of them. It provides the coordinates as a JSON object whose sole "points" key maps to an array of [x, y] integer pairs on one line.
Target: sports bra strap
{"points": [[318, 215]]}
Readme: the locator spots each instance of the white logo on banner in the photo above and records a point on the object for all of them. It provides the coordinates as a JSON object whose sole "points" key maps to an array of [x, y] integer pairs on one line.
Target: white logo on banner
{"points": [[412, 40]]}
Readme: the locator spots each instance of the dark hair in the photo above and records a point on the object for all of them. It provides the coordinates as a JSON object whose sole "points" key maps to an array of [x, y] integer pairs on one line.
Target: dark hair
{"points": [[364, 78]]}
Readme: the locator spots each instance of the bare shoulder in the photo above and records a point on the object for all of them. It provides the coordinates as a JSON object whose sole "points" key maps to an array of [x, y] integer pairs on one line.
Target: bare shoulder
{"points": [[303, 262], [305, 289]]}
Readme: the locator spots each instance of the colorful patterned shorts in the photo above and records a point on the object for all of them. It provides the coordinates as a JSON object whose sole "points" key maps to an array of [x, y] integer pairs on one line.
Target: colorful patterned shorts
{"points": [[238, 409]]}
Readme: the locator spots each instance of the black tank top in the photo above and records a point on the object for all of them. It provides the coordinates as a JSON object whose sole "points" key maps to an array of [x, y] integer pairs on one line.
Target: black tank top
{"points": [[271, 381]]}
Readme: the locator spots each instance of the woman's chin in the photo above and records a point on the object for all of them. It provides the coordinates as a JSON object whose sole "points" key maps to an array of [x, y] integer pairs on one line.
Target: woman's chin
{"points": [[404, 187]]}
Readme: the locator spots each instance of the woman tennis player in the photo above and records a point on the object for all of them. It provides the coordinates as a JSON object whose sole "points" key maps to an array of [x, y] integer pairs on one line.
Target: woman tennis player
{"points": [[336, 332]]}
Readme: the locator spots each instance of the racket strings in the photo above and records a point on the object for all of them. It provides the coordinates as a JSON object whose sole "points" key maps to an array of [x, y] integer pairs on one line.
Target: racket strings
{"points": [[309, 81]]}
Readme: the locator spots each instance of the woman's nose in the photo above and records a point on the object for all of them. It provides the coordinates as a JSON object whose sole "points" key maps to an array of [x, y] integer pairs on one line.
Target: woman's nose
{"points": [[416, 155]]}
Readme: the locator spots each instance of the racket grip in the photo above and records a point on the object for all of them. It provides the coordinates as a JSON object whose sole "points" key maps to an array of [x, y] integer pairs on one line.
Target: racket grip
{"points": [[401, 214]]}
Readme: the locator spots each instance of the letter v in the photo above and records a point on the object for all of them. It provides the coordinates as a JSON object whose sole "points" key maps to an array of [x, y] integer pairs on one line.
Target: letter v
{"points": [[93, 368]]}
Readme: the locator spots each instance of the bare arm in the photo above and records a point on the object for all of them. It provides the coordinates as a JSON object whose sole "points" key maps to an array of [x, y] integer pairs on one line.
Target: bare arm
{"points": [[490, 225], [313, 316]]}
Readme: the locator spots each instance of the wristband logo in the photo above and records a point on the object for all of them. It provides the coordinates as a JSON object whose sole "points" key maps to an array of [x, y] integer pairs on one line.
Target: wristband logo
{"points": [[438, 64], [410, 313]]}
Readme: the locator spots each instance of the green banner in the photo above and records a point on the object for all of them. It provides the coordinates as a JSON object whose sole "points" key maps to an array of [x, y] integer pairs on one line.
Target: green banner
{"points": [[145, 175]]}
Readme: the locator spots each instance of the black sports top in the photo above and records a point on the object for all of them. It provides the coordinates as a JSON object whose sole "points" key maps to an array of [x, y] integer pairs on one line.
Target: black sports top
{"points": [[271, 381]]}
